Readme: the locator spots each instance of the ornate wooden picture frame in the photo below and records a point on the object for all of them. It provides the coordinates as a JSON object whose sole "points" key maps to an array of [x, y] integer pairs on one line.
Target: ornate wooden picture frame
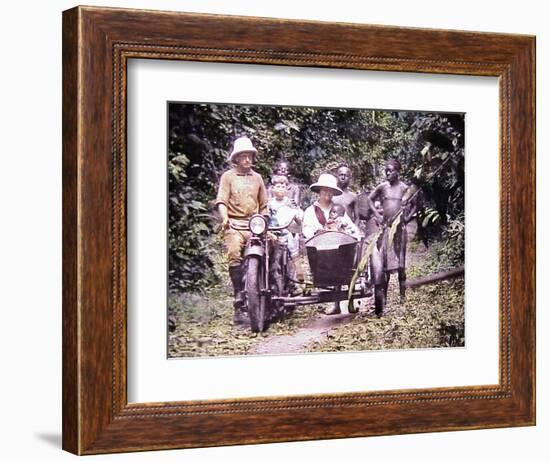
{"points": [[97, 44]]}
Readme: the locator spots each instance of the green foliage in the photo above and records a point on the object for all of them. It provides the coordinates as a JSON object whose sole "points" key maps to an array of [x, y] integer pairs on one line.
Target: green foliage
{"points": [[437, 167], [454, 239], [430, 216], [204, 325], [313, 141], [431, 317]]}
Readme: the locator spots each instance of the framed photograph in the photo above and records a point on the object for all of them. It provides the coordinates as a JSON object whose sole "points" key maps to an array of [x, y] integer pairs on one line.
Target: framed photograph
{"points": [[327, 235], [305, 266]]}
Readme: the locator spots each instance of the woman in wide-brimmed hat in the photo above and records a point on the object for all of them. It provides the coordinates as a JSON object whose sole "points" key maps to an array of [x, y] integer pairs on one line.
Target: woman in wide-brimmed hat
{"points": [[317, 216]]}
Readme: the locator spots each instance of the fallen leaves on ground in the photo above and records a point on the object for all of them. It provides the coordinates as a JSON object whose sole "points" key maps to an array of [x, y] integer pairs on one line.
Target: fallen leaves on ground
{"points": [[432, 316], [204, 326]]}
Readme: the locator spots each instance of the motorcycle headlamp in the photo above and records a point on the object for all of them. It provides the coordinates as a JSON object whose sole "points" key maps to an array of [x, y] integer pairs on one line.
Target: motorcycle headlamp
{"points": [[257, 224]]}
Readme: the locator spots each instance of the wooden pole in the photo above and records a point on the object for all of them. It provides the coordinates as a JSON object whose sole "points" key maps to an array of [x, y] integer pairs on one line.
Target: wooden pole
{"points": [[438, 277]]}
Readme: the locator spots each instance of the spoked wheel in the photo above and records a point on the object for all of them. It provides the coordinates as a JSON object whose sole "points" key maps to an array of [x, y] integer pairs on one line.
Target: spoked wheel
{"points": [[281, 281], [255, 302], [276, 308]]}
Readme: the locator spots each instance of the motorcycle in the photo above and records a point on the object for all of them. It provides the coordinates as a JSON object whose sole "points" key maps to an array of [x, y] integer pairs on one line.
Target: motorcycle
{"points": [[266, 262], [269, 277]]}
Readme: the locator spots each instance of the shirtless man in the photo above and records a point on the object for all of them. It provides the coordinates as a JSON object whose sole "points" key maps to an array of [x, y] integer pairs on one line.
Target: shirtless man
{"points": [[390, 194], [347, 199]]}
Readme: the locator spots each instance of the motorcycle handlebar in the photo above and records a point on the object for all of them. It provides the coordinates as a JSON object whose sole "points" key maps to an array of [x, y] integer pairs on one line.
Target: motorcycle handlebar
{"points": [[246, 228]]}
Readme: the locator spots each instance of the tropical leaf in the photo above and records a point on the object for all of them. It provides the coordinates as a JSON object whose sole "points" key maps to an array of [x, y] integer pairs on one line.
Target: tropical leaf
{"points": [[426, 220], [363, 263], [430, 147], [393, 228], [430, 216]]}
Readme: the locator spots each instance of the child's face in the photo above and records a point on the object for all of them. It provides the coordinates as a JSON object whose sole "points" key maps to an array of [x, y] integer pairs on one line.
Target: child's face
{"points": [[279, 190], [337, 211], [282, 169]]}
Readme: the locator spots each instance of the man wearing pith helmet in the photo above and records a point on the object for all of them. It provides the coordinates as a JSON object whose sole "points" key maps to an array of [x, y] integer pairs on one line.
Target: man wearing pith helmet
{"points": [[241, 194]]}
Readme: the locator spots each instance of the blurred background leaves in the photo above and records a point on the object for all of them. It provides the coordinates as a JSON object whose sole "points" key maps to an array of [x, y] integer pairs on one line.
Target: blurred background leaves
{"points": [[312, 140]]}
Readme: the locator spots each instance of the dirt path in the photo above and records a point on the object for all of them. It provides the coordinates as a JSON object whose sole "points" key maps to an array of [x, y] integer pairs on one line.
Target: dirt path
{"points": [[315, 330]]}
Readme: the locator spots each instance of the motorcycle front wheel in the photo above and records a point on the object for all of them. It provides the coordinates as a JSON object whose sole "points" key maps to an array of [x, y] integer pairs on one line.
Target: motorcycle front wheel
{"points": [[255, 302]]}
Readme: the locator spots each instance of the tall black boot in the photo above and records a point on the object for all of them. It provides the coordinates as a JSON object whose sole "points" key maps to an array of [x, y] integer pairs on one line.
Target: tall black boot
{"points": [[236, 274]]}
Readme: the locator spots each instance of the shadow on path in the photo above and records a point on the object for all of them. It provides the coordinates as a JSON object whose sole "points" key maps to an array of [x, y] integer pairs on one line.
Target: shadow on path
{"points": [[315, 330]]}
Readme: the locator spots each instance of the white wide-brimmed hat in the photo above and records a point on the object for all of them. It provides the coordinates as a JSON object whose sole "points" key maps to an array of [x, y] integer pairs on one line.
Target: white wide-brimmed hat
{"points": [[326, 180], [242, 144]]}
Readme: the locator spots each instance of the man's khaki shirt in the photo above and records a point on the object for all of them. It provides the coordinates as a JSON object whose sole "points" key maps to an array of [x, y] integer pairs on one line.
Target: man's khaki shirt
{"points": [[242, 194]]}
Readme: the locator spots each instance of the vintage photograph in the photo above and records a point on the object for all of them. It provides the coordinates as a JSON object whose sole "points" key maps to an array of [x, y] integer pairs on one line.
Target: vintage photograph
{"points": [[310, 229]]}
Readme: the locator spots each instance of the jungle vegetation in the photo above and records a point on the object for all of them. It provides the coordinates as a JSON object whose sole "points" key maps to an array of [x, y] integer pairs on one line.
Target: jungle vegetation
{"points": [[312, 140]]}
